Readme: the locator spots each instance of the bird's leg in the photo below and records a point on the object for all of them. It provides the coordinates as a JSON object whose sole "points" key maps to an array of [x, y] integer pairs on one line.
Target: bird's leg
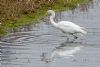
{"points": [[75, 37], [67, 39], [66, 36]]}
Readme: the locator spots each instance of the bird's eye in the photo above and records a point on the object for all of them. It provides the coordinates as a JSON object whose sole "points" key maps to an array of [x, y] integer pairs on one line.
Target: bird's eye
{"points": [[49, 13]]}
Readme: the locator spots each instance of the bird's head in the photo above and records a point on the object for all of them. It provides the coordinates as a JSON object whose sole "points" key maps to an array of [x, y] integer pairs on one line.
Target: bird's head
{"points": [[50, 12]]}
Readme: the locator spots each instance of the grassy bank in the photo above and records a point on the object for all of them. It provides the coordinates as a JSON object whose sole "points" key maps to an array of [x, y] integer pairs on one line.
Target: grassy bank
{"points": [[15, 13]]}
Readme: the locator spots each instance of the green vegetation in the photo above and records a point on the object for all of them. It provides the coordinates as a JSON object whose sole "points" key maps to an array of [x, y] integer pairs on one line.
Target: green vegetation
{"points": [[15, 13]]}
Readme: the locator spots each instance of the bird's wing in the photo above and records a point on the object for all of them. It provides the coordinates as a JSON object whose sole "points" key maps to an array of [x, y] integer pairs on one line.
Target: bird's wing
{"points": [[69, 26]]}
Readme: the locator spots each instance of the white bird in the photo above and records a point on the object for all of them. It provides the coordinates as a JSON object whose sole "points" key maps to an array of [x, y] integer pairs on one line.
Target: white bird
{"points": [[66, 26]]}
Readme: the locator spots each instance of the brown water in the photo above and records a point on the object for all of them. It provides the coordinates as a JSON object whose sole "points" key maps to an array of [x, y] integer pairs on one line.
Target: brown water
{"points": [[42, 45]]}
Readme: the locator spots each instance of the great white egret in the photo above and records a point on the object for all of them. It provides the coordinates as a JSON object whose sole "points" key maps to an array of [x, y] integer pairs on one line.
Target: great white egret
{"points": [[66, 26]]}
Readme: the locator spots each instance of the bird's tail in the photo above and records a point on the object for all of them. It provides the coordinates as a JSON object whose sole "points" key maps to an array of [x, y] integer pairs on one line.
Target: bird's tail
{"points": [[83, 30]]}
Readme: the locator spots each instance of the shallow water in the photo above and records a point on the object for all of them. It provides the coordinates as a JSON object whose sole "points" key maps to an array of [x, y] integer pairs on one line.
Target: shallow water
{"points": [[42, 45]]}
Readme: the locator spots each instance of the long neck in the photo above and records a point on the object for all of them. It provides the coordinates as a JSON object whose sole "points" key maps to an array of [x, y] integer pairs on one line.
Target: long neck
{"points": [[52, 19]]}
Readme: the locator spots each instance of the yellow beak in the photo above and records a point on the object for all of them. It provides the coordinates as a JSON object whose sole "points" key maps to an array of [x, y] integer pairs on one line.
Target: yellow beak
{"points": [[46, 14]]}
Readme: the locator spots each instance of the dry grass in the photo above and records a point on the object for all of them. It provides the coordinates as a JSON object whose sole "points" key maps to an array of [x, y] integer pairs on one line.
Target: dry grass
{"points": [[13, 9]]}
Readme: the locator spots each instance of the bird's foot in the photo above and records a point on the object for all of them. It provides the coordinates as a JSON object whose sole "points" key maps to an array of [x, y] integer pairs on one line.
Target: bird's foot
{"points": [[72, 40], [75, 37]]}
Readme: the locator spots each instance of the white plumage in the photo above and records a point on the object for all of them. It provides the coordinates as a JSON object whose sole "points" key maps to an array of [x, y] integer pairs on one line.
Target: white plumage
{"points": [[66, 26], [70, 27]]}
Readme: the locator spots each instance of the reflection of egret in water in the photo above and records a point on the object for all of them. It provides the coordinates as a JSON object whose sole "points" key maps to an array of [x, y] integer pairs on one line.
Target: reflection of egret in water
{"points": [[65, 50]]}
